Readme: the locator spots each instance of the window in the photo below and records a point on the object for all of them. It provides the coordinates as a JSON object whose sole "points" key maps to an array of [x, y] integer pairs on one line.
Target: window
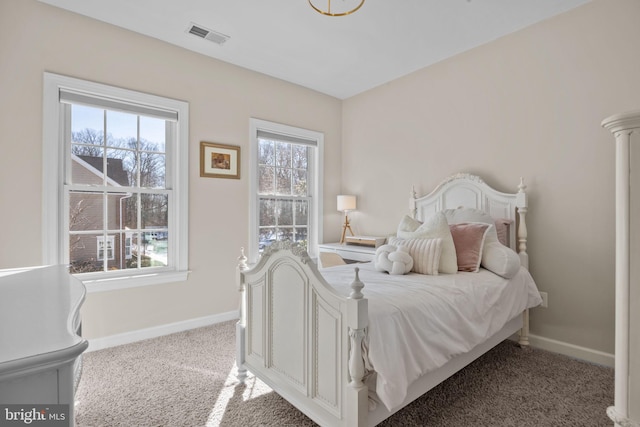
{"points": [[110, 243], [286, 186], [115, 184], [127, 246]]}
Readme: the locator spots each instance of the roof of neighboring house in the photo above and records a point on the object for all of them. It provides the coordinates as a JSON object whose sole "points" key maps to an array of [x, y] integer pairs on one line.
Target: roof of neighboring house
{"points": [[115, 170]]}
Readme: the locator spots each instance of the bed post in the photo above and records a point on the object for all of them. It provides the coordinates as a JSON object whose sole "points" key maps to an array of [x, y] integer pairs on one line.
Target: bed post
{"points": [[521, 203], [241, 325], [357, 321]]}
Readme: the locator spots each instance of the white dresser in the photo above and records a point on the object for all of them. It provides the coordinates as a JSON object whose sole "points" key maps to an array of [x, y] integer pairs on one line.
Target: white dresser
{"points": [[40, 342], [626, 130]]}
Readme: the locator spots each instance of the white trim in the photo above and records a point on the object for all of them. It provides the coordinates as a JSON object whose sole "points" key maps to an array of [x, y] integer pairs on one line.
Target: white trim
{"points": [[133, 281], [54, 237], [158, 331], [52, 128], [572, 350]]}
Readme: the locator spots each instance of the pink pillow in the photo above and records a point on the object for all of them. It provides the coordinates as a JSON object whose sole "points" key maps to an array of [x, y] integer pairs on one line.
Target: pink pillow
{"points": [[468, 238], [502, 229]]}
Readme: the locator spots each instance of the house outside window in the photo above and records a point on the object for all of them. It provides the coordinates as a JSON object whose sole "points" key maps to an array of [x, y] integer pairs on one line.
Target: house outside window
{"points": [[118, 160], [286, 186]]}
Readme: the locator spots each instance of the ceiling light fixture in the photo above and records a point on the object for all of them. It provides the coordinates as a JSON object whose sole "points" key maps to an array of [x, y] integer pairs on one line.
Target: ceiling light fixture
{"points": [[341, 7]]}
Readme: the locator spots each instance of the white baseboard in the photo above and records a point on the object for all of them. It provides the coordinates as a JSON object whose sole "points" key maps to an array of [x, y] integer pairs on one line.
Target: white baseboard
{"points": [[571, 350], [158, 331]]}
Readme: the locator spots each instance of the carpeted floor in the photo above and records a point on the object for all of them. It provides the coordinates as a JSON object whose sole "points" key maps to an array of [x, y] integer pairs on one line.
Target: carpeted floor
{"points": [[188, 379]]}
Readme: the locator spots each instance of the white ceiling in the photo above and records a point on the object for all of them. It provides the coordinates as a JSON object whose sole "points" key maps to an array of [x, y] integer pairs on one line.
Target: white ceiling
{"points": [[339, 56]]}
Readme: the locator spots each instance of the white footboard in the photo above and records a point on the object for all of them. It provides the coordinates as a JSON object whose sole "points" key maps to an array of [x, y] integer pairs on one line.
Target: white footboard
{"points": [[301, 338]]}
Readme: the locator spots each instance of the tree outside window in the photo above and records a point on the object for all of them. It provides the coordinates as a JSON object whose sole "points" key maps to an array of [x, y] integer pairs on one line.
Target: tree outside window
{"points": [[115, 167], [283, 195], [286, 186], [124, 154]]}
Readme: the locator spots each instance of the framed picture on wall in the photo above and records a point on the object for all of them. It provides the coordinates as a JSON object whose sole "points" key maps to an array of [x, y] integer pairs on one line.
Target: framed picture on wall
{"points": [[219, 160]]}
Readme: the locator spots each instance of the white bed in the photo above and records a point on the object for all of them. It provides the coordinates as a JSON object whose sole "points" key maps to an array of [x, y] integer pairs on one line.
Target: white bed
{"points": [[316, 337]]}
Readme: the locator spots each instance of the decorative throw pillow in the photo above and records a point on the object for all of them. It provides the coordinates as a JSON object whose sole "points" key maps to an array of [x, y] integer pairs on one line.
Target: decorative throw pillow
{"points": [[425, 253], [503, 226], [468, 238], [496, 257], [460, 215], [393, 259], [500, 259], [435, 227]]}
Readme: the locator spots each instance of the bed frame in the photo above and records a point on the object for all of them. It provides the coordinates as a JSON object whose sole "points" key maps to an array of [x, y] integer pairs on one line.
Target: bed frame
{"points": [[304, 340]]}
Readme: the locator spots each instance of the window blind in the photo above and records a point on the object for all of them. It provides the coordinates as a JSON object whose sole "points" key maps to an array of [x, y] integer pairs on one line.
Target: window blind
{"points": [[91, 100], [272, 136]]}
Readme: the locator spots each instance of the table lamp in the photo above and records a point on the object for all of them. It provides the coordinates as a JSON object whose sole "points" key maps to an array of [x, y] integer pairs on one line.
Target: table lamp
{"points": [[346, 203]]}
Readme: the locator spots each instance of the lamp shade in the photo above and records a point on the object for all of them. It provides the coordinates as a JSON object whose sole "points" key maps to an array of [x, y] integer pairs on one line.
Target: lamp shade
{"points": [[346, 203]]}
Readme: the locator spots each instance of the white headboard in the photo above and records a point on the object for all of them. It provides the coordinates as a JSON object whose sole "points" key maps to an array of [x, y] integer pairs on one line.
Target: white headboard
{"points": [[470, 191]]}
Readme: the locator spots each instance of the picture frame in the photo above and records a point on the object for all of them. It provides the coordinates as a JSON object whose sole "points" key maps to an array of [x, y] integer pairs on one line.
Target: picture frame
{"points": [[219, 160]]}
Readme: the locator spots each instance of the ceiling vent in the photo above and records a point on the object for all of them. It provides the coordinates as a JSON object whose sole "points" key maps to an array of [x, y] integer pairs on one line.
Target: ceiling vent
{"points": [[205, 33]]}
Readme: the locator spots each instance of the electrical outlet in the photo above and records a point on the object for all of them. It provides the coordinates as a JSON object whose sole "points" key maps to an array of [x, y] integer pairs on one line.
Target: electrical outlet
{"points": [[545, 299]]}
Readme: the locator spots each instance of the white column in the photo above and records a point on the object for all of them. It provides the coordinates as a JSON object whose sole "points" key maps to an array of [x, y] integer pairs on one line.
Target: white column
{"points": [[622, 273], [623, 126]]}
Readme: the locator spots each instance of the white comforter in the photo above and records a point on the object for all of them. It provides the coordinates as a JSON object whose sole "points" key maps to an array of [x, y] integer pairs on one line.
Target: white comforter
{"points": [[418, 322]]}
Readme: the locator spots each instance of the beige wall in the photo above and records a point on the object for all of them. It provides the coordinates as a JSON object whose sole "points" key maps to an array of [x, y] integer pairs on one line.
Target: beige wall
{"points": [[35, 38], [529, 104]]}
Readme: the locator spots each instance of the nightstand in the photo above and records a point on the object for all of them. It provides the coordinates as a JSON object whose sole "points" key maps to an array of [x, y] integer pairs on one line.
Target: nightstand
{"points": [[350, 253]]}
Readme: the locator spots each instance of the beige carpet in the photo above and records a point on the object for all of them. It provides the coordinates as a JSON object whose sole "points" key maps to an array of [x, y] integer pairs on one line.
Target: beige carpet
{"points": [[188, 379]]}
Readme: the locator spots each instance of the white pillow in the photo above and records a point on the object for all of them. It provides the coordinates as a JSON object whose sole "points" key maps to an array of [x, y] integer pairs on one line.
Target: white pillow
{"points": [[496, 257], [425, 253], [500, 259], [435, 227], [393, 259]]}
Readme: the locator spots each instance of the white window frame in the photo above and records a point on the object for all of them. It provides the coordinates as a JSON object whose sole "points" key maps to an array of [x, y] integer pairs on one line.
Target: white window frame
{"points": [[54, 214], [315, 182]]}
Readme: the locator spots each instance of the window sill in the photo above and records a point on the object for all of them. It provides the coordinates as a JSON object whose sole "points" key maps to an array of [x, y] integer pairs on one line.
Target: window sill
{"points": [[125, 282]]}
